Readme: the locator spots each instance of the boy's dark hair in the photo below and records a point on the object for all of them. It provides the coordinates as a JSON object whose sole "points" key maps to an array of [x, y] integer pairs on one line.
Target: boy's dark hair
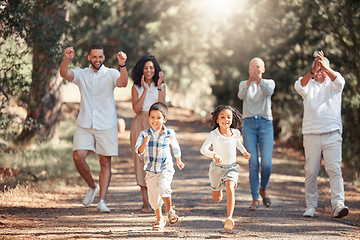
{"points": [[138, 70], [95, 46], [161, 107], [237, 117]]}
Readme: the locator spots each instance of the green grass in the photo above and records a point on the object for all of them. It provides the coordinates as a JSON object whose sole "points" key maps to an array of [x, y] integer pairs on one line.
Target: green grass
{"points": [[50, 160]]}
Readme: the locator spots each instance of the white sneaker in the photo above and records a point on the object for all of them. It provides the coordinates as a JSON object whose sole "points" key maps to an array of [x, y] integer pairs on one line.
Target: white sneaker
{"points": [[89, 198], [309, 212], [341, 212], [102, 207]]}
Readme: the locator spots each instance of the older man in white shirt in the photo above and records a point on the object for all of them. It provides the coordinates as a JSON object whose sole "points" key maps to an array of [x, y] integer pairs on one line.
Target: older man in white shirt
{"points": [[321, 90], [97, 120]]}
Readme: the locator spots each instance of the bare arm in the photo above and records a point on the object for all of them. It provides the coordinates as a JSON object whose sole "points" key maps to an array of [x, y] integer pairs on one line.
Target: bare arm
{"points": [[122, 81], [142, 147], [137, 102], [65, 72], [162, 92], [306, 79]]}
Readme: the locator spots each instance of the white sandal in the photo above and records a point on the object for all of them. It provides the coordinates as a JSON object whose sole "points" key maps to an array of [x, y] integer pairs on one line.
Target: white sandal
{"points": [[159, 225], [172, 217]]}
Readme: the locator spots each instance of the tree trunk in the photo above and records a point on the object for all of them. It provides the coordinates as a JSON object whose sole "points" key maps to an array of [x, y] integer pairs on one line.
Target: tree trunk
{"points": [[45, 104], [45, 95]]}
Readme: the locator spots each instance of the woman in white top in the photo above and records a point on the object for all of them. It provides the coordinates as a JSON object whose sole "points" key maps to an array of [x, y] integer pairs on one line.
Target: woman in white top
{"points": [[148, 89], [224, 171]]}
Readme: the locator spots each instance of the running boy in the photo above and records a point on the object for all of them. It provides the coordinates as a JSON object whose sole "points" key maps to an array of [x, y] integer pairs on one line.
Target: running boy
{"points": [[155, 144], [223, 169]]}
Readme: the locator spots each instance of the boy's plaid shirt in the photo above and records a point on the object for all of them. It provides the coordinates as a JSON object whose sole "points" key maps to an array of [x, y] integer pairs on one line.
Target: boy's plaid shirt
{"points": [[157, 155]]}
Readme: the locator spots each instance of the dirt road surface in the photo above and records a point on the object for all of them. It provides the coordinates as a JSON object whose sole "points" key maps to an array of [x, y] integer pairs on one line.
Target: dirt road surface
{"points": [[61, 215]]}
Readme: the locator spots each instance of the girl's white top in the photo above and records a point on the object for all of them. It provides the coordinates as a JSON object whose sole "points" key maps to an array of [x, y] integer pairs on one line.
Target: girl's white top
{"points": [[223, 146], [152, 95]]}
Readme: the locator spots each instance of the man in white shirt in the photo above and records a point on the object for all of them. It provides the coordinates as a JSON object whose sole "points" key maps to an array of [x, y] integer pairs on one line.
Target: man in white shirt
{"points": [[97, 119], [321, 90]]}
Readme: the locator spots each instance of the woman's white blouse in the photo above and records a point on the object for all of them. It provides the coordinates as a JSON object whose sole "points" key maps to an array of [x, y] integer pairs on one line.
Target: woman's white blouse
{"points": [[152, 95]]}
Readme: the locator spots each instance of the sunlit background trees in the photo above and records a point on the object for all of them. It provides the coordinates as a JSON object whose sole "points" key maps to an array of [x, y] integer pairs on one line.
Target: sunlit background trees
{"points": [[203, 47]]}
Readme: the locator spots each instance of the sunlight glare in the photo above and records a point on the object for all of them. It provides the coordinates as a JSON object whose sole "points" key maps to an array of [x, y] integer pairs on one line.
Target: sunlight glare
{"points": [[221, 8]]}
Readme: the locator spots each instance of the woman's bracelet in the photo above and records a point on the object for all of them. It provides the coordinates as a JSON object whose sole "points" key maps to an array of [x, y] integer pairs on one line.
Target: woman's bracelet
{"points": [[122, 65]]}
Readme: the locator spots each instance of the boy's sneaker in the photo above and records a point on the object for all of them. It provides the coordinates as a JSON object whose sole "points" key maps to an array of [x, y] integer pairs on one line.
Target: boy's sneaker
{"points": [[102, 207], [89, 198], [341, 212], [309, 212]]}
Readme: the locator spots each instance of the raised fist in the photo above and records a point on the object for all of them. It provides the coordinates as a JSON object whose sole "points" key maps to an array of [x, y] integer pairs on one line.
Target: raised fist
{"points": [[69, 52]]}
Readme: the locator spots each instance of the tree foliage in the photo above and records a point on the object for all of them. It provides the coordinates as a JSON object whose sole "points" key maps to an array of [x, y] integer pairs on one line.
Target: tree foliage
{"points": [[203, 46], [286, 34], [117, 25], [38, 25]]}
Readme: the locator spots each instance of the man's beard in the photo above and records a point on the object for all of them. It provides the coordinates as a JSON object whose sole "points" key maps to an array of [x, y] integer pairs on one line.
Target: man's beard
{"points": [[97, 68]]}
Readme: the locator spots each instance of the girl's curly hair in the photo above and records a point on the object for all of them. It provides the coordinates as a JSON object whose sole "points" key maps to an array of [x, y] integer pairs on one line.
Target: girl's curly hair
{"points": [[237, 117], [138, 71]]}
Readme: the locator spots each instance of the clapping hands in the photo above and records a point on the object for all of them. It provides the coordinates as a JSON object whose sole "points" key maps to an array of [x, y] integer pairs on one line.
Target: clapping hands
{"points": [[254, 74], [319, 62]]}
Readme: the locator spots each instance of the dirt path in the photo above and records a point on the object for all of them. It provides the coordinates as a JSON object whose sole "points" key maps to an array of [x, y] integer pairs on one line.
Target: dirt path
{"points": [[60, 215]]}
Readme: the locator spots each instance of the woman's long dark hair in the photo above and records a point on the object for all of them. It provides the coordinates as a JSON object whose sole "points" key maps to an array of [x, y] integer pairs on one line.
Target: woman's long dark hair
{"points": [[138, 70], [237, 117]]}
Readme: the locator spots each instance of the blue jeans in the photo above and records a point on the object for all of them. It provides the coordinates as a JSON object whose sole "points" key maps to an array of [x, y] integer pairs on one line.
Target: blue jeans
{"points": [[258, 130]]}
